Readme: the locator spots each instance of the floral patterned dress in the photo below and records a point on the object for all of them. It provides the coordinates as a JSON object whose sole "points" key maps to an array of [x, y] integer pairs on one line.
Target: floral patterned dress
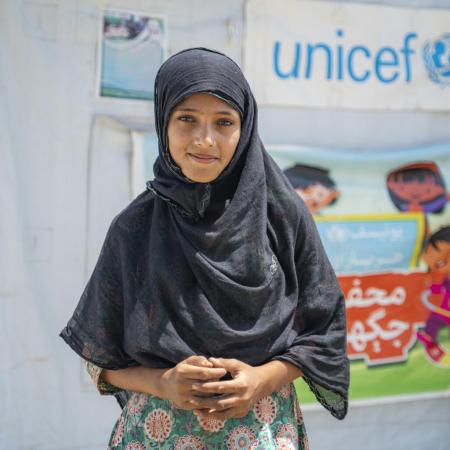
{"points": [[148, 422]]}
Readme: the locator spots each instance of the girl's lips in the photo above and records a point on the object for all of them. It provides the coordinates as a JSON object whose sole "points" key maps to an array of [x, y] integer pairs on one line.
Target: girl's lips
{"points": [[203, 159]]}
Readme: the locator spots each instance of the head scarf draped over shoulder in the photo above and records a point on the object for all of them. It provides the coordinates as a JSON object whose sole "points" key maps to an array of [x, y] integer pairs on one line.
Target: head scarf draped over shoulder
{"points": [[233, 268]]}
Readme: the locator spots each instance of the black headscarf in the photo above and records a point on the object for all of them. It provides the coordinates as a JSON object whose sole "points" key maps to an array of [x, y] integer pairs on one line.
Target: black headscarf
{"points": [[233, 268]]}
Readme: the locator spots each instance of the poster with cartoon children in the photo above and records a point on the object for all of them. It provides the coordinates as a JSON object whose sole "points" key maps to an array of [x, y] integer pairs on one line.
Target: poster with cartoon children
{"points": [[384, 220], [378, 214]]}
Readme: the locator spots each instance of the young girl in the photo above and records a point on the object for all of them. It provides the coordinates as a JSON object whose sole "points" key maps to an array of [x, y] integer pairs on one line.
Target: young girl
{"points": [[437, 257], [418, 187], [212, 291]]}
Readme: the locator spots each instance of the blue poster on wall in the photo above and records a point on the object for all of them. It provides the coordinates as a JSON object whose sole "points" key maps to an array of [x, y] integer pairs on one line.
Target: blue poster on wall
{"points": [[372, 243]]}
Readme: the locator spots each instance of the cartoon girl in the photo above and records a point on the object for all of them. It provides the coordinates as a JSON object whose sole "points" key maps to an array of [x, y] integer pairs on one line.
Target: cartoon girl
{"points": [[437, 257], [417, 187], [313, 185]]}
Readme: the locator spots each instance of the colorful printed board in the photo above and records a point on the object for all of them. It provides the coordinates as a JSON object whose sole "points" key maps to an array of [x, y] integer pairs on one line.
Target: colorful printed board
{"points": [[384, 219]]}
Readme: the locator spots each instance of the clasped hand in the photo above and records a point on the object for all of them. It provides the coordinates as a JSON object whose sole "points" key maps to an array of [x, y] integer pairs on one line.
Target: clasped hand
{"points": [[195, 384]]}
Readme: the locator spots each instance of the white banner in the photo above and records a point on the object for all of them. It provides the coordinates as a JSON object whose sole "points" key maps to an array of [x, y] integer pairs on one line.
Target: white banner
{"points": [[323, 54]]}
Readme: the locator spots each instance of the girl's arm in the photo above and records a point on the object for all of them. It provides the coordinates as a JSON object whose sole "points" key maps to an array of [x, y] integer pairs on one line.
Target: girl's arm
{"points": [[137, 379], [275, 374], [175, 384]]}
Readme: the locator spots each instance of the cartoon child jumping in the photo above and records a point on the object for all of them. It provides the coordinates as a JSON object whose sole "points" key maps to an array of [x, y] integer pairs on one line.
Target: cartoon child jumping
{"points": [[437, 257]]}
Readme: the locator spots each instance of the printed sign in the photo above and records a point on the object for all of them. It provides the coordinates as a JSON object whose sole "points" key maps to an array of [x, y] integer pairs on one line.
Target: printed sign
{"points": [[383, 315], [372, 243], [384, 220], [333, 55], [377, 215]]}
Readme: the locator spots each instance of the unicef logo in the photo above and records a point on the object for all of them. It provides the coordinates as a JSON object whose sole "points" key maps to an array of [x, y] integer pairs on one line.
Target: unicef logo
{"points": [[436, 55]]}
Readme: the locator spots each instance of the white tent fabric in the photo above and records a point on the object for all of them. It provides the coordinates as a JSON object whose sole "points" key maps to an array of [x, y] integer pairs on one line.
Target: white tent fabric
{"points": [[64, 173]]}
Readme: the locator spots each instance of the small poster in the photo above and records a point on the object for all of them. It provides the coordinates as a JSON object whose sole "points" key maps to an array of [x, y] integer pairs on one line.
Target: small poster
{"points": [[132, 48]]}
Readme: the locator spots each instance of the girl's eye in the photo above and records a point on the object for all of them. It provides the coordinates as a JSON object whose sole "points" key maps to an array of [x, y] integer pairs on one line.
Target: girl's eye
{"points": [[225, 122], [185, 118]]}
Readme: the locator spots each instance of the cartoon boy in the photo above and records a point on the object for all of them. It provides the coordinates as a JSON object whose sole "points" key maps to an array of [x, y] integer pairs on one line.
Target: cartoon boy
{"points": [[313, 185], [437, 257]]}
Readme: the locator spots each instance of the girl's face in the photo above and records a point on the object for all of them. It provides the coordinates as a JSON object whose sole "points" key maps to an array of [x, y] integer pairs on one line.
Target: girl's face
{"points": [[438, 259], [415, 189], [317, 196], [203, 133]]}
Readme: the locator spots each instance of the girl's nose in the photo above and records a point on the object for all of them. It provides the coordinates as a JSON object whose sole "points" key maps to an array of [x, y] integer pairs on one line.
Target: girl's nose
{"points": [[205, 136]]}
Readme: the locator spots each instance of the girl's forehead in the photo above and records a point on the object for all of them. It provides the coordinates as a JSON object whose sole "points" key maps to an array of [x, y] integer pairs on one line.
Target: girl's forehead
{"points": [[442, 249], [205, 100]]}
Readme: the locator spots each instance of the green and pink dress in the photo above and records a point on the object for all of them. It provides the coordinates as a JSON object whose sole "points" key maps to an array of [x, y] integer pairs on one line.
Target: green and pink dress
{"points": [[148, 422]]}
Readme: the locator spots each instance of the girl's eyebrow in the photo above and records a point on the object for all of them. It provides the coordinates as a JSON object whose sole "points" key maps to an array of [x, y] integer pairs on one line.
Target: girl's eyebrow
{"points": [[227, 113]]}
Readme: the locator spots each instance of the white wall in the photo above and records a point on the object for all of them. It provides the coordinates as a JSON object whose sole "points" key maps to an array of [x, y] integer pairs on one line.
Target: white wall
{"points": [[48, 146]]}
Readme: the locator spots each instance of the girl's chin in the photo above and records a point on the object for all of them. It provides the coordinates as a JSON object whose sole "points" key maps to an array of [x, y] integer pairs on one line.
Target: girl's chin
{"points": [[202, 177]]}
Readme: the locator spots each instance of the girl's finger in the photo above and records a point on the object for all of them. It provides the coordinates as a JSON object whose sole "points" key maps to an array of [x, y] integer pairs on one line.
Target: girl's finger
{"points": [[198, 360], [219, 387], [201, 373], [215, 403]]}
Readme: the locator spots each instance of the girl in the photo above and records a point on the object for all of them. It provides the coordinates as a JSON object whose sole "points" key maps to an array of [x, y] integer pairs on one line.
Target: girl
{"points": [[418, 187], [212, 291]]}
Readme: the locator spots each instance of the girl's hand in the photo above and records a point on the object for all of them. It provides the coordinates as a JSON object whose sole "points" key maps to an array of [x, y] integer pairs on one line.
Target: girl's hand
{"points": [[237, 396], [177, 382]]}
